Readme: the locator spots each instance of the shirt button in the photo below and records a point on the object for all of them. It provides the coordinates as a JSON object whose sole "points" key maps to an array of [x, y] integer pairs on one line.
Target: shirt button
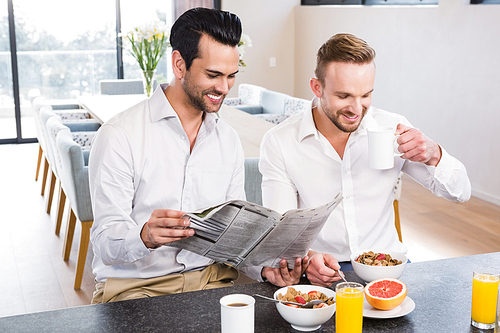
{"points": [[348, 197], [183, 137]]}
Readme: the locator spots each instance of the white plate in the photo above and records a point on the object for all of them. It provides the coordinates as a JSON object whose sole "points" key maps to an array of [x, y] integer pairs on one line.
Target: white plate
{"points": [[406, 307]]}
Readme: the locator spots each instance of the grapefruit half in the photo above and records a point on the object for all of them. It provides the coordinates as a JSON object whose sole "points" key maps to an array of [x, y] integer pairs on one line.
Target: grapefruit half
{"points": [[385, 294]]}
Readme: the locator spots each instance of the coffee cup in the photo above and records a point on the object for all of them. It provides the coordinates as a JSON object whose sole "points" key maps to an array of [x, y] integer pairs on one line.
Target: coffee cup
{"points": [[237, 313], [382, 147]]}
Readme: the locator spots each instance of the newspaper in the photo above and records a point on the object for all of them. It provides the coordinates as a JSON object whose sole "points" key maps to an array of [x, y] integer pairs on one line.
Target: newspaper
{"points": [[240, 233]]}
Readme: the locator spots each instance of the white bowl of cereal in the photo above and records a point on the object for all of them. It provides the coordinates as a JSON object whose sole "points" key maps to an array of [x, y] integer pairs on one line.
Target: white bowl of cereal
{"points": [[373, 265], [303, 319]]}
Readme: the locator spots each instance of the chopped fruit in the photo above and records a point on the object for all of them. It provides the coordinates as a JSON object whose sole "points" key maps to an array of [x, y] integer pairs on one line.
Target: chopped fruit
{"points": [[300, 299]]}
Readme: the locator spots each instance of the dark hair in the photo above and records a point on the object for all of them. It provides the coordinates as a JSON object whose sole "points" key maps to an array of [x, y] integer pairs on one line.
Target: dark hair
{"points": [[223, 27], [342, 48]]}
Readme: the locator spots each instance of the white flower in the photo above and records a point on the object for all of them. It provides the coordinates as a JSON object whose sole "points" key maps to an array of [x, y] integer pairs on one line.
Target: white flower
{"points": [[244, 41], [148, 43]]}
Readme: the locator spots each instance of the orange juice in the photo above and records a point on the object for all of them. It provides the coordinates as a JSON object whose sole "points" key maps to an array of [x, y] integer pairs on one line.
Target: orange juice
{"points": [[484, 297], [349, 313]]}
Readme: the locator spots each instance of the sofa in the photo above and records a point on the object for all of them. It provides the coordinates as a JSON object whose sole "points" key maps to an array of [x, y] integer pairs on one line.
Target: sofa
{"points": [[270, 105]]}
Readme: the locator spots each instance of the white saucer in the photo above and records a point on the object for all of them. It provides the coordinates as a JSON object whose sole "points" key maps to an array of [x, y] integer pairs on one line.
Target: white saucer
{"points": [[406, 307]]}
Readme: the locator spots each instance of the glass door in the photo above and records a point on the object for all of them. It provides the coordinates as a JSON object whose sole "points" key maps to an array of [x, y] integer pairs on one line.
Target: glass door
{"points": [[62, 49], [64, 53]]}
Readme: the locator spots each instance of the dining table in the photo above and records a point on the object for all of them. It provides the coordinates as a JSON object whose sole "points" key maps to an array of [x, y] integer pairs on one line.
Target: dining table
{"points": [[250, 129], [440, 289]]}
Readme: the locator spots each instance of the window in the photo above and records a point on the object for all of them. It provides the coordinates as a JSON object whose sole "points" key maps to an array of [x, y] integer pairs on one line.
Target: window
{"points": [[372, 2], [65, 52], [133, 16]]}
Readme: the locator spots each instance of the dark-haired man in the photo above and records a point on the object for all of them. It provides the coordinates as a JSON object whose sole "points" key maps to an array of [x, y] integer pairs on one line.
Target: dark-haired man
{"points": [[165, 156], [314, 155]]}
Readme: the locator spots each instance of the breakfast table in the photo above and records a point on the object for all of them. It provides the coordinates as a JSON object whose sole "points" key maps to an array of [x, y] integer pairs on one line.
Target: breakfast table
{"points": [[441, 290]]}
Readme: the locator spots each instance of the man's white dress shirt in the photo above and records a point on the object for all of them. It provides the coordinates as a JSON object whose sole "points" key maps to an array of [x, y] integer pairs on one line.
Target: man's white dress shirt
{"points": [[300, 169], [141, 161]]}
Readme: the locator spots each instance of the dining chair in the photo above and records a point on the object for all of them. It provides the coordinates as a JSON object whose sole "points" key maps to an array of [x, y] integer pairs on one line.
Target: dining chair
{"points": [[397, 197], [78, 121], [75, 179], [82, 133], [50, 170], [253, 181], [53, 124], [122, 86], [37, 102]]}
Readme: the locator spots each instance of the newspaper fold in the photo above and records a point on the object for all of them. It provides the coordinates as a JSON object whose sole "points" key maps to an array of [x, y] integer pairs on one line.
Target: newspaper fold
{"points": [[240, 233]]}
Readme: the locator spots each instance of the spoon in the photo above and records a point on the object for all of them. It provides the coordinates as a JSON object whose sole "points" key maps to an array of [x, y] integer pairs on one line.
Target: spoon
{"points": [[308, 305], [341, 275]]}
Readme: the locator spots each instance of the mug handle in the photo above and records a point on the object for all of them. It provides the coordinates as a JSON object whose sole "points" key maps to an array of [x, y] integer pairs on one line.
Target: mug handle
{"points": [[396, 145]]}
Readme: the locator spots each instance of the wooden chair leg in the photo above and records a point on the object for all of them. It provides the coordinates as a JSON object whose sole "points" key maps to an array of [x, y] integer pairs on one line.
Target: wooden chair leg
{"points": [[52, 184], [82, 253], [397, 221], [45, 172], [70, 231], [39, 162], [60, 209]]}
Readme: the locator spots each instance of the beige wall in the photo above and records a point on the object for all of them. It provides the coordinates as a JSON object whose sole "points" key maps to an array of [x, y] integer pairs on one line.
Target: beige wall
{"points": [[439, 66], [270, 25]]}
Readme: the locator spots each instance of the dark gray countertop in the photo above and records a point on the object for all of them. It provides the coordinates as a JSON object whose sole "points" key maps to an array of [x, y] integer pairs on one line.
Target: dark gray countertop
{"points": [[441, 290]]}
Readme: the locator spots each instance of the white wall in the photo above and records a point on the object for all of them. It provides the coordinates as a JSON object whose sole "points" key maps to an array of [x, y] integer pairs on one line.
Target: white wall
{"points": [[270, 25], [439, 66]]}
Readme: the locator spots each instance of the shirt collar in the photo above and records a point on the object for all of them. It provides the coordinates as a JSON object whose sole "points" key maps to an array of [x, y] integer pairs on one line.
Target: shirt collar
{"points": [[159, 105], [307, 126], [161, 108]]}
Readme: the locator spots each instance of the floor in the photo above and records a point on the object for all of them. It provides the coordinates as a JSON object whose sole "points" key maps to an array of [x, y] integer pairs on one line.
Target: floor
{"points": [[35, 277]]}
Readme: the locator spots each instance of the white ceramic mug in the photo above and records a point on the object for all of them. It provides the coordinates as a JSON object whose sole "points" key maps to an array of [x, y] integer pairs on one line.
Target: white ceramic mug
{"points": [[237, 313], [382, 147]]}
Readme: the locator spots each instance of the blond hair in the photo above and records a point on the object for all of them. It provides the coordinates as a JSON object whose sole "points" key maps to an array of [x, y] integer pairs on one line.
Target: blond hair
{"points": [[342, 48]]}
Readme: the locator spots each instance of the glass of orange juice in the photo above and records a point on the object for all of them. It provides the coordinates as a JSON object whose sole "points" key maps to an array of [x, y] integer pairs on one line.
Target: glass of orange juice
{"points": [[485, 283], [497, 321], [349, 312]]}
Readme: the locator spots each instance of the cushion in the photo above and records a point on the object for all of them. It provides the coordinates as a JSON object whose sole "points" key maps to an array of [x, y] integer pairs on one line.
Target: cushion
{"points": [[273, 102]]}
